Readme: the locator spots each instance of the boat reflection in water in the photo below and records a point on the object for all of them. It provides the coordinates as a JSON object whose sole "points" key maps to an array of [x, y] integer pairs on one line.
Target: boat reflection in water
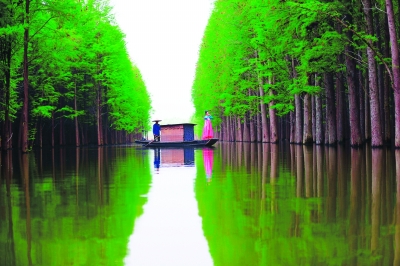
{"points": [[169, 232], [157, 159], [208, 157], [173, 157]]}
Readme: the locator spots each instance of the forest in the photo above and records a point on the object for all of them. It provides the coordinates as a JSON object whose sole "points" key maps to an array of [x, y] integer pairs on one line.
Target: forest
{"points": [[305, 71], [66, 77]]}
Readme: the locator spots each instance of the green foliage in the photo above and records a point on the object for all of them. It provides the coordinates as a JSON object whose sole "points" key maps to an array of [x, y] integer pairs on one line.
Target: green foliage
{"points": [[76, 54], [43, 111], [255, 43]]}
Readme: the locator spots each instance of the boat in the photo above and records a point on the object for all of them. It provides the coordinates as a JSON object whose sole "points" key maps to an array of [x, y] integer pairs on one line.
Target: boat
{"points": [[191, 143], [177, 135]]}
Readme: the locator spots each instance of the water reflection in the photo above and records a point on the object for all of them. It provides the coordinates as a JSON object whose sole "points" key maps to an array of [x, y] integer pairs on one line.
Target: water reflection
{"points": [[24, 166], [70, 207], [157, 159], [396, 260], [208, 158], [301, 205], [268, 204], [173, 157], [170, 231], [377, 161]]}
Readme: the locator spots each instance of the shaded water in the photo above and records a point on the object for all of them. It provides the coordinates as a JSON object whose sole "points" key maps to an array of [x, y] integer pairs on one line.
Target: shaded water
{"points": [[237, 204]]}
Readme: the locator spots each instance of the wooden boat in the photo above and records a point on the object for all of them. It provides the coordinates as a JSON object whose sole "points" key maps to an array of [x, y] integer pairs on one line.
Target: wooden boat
{"points": [[177, 135], [191, 143]]}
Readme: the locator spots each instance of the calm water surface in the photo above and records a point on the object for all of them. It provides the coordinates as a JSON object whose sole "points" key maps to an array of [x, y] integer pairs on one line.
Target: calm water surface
{"points": [[237, 204]]}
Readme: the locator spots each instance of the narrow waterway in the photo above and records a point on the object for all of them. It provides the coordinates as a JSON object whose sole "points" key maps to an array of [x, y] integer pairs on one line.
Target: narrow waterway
{"points": [[236, 204]]}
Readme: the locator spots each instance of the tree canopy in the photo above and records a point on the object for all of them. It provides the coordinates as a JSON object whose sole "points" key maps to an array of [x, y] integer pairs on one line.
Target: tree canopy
{"points": [[295, 57], [79, 70]]}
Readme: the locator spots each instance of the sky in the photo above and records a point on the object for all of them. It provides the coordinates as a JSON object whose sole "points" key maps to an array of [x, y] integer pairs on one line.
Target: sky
{"points": [[163, 39]]}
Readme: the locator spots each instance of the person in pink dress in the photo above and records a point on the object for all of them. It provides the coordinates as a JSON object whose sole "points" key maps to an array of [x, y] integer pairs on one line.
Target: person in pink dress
{"points": [[207, 129]]}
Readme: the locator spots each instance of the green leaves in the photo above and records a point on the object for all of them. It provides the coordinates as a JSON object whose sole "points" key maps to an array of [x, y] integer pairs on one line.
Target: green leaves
{"points": [[9, 30], [259, 42], [77, 59], [43, 111]]}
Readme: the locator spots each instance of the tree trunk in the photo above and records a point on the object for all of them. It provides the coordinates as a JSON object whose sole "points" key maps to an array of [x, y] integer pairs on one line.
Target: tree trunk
{"points": [[105, 120], [239, 132], [273, 121], [386, 88], [319, 132], [61, 140], [339, 98], [319, 136], [20, 134], [366, 108], [98, 116], [77, 143], [307, 132], [225, 131], [225, 135], [232, 124], [298, 128], [228, 128], [105, 128], [6, 139], [354, 110], [380, 72], [298, 120], [263, 107], [263, 115], [376, 127], [9, 129], [40, 133], [340, 106], [52, 129], [313, 121], [24, 116], [259, 128], [361, 101], [292, 127], [252, 129], [330, 109], [395, 69], [85, 137], [246, 131]]}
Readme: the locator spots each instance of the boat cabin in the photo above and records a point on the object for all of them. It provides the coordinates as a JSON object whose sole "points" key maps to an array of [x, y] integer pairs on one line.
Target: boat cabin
{"points": [[177, 132]]}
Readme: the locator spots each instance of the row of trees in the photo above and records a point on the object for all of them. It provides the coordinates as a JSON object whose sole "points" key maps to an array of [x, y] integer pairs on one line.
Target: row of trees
{"points": [[66, 77], [326, 71]]}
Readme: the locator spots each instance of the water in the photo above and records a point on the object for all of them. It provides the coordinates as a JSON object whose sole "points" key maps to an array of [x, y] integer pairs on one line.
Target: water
{"points": [[237, 204]]}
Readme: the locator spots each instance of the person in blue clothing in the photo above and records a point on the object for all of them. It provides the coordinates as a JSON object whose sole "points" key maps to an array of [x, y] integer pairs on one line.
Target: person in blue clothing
{"points": [[156, 130]]}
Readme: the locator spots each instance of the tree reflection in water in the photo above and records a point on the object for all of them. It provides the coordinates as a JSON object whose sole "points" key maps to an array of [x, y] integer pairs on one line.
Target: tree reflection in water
{"points": [[304, 206], [70, 206], [396, 260], [268, 204]]}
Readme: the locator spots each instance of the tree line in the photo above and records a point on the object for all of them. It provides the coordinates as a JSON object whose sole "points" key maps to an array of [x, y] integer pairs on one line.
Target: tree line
{"points": [[66, 77], [308, 71]]}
